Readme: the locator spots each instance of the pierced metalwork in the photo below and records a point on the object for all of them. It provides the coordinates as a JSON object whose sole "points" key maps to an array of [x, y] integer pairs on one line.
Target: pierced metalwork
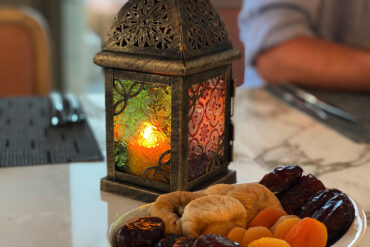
{"points": [[146, 24], [180, 29], [162, 170], [205, 28], [121, 105]]}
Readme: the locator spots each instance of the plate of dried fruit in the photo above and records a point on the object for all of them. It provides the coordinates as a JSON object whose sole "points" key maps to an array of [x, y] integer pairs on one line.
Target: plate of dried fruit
{"points": [[351, 237]]}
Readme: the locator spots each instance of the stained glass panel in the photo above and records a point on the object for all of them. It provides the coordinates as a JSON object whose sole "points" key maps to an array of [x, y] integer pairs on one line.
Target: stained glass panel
{"points": [[206, 126], [142, 128]]}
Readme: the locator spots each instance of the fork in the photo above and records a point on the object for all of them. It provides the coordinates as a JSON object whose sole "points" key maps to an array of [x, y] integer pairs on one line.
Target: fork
{"points": [[58, 115]]}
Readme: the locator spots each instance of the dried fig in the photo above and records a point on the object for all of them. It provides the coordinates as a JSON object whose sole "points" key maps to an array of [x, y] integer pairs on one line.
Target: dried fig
{"points": [[170, 207], [212, 212]]}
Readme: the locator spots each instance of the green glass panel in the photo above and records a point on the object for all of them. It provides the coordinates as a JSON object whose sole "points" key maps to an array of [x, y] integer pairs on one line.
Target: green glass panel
{"points": [[142, 128]]}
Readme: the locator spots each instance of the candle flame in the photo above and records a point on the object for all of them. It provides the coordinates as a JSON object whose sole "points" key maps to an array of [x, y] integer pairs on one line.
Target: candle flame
{"points": [[148, 136]]}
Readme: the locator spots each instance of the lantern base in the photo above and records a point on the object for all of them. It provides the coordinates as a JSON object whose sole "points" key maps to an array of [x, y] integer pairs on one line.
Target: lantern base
{"points": [[149, 195]]}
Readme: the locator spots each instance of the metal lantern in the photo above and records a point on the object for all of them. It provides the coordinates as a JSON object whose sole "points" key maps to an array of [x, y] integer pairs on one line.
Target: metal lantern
{"points": [[168, 92]]}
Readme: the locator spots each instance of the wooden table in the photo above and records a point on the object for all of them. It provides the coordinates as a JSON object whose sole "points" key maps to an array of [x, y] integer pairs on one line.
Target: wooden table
{"points": [[62, 205]]}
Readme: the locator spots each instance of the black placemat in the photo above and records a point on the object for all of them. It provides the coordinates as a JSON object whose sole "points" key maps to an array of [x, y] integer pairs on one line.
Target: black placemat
{"points": [[26, 137], [357, 104]]}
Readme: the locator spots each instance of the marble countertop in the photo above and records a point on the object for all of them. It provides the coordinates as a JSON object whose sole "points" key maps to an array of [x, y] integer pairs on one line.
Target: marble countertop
{"points": [[62, 205]]}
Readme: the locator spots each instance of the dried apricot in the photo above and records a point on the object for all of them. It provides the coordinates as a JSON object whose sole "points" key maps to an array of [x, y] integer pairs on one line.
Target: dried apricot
{"points": [[219, 228], [308, 232], [254, 233], [283, 225], [269, 242], [267, 217], [236, 234]]}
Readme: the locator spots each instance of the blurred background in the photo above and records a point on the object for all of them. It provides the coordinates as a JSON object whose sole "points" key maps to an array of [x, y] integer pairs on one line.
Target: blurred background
{"points": [[75, 29]]}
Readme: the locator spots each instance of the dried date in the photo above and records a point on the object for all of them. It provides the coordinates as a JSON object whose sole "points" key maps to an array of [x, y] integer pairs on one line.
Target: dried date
{"points": [[174, 240], [316, 202], [167, 241], [144, 232], [337, 213], [212, 240], [183, 242], [295, 197], [282, 178]]}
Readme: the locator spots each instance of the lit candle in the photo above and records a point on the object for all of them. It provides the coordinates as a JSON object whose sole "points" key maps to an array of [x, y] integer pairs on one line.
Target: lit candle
{"points": [[149, 136], [145, 150]]}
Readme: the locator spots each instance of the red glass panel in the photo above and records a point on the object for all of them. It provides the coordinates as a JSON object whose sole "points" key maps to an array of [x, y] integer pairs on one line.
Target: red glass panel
{"points": [[206, 126]]}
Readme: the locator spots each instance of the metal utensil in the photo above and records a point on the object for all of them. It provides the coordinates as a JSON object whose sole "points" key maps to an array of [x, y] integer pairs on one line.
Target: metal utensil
{"points": [[316, 102], [75, 112], [58, 116], [293, 99]]}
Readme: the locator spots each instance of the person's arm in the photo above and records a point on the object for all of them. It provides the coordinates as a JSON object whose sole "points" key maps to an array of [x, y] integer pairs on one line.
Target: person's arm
{"points": [[313, 62]]}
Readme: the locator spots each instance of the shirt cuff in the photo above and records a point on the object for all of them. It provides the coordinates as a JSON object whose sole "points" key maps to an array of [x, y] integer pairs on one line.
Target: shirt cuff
{"points": [[265, 30]]}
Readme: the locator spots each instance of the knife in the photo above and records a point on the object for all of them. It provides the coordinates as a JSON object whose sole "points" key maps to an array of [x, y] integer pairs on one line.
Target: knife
{"points": [[293, 99], [75, 113], [316, 102]]}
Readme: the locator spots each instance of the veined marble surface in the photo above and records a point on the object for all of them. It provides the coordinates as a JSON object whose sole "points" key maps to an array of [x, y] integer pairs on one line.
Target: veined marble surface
{"points": [[271, 133], [62, 205]]}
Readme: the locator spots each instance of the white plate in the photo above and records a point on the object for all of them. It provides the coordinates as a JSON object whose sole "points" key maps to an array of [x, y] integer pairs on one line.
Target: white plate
{"points": [[350, 239]]}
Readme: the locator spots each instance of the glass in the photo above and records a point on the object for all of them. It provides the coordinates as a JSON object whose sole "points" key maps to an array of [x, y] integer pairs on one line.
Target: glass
{"points": [[142, 128], [206, 126]]}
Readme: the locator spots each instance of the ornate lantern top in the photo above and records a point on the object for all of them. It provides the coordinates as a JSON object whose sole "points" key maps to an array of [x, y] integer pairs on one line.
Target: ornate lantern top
{"points": [[175, 37]]}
